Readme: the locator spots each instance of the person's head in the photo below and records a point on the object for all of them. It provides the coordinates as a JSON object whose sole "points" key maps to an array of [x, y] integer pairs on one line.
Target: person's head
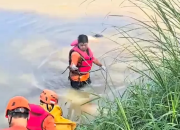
{"points": [[48, 99], [17, 111], [83, 42]]}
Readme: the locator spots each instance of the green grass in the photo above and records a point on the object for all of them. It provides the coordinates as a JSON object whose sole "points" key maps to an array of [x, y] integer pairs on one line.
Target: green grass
{"points": [[152, 102]]}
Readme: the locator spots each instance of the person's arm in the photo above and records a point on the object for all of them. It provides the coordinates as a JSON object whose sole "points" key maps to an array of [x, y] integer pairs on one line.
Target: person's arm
{"points": [[75, 57], [49, 123], [96, 61]]}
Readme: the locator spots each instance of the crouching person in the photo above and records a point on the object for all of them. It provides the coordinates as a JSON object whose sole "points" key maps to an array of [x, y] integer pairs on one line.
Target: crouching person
{"points": [[40, 119], [17, 112], [49, 101]]}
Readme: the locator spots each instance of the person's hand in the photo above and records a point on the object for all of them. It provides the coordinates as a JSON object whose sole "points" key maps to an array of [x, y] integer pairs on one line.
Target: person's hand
{"points": [[73, 67], [103, 67]]}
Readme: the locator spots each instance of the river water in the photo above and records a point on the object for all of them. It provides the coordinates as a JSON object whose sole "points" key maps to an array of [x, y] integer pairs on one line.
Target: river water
{"points": [[34, 51]]}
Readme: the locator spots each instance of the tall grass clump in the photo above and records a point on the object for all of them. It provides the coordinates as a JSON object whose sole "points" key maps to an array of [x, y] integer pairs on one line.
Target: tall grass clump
{"points": [[152, 102]]}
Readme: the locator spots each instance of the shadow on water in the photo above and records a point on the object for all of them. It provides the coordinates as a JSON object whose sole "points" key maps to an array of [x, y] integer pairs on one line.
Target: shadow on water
{"points": [[27, 39]]}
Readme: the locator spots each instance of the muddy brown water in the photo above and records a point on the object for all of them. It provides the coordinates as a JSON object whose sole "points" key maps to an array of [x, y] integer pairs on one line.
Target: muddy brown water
{"points": [[34, 51]]}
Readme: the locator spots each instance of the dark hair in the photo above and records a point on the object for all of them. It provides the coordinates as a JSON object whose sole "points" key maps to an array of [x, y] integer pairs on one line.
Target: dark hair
{"points": [[82, 39]]}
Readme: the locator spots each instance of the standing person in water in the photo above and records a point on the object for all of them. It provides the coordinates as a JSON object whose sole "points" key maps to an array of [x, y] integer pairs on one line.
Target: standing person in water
{"points": [[81, 60], [17, 112]]}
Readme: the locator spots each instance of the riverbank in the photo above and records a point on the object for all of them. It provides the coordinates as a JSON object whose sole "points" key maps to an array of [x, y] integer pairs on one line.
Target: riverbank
{"points": [[151, 102]]}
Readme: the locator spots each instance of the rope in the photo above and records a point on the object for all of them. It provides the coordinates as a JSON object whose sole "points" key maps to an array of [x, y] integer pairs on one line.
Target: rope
{"points": [[80, 72]]}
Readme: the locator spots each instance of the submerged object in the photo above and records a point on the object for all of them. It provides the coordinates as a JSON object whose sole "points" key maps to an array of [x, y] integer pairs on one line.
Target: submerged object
{"points": [[97, 35]]}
